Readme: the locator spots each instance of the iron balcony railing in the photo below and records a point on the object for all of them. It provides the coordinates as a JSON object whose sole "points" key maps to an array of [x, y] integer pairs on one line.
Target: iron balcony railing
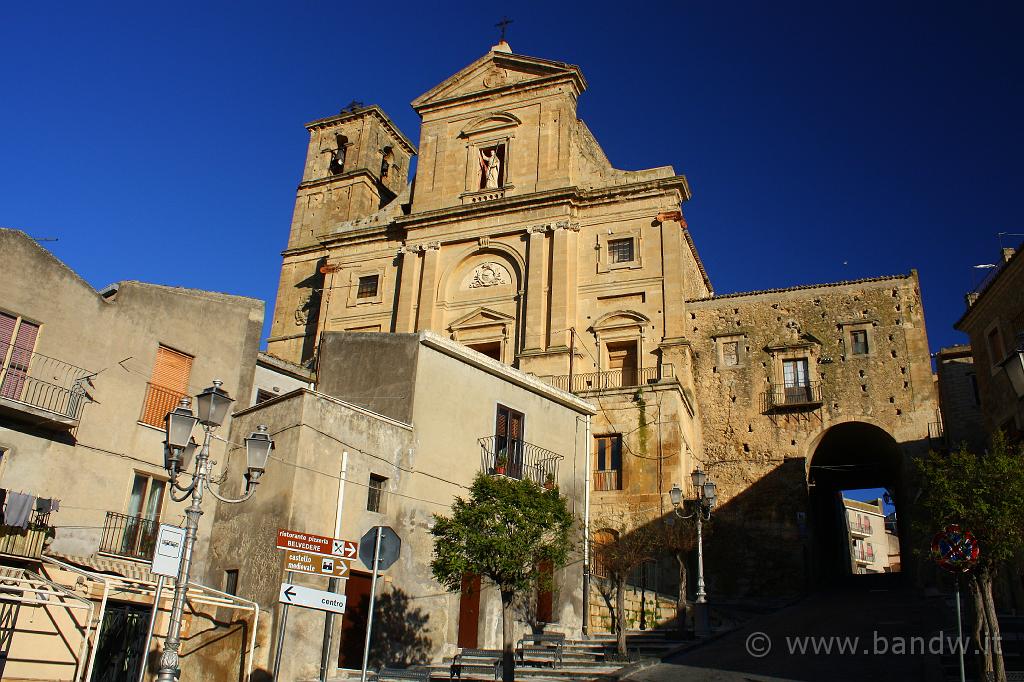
{"points": [[780, 396], [515, 458], [863, 556], [608, 480], [862, 528], [43, 382], [615, 378], [936, 433], [159, 401], [133, 537]]}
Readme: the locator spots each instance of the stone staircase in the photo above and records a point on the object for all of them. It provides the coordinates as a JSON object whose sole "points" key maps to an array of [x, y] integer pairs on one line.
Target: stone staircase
{"points": [[582, 659]]}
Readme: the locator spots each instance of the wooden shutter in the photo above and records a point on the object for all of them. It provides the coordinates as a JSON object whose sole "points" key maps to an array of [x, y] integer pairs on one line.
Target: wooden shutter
{"points": [[6, 332], [168, 384]]}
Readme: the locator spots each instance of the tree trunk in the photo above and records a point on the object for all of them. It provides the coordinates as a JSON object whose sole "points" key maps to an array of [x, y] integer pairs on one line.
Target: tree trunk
{"points": [[995, 644], [508, 660], [620, 614], [681, 599], [980, 632]]}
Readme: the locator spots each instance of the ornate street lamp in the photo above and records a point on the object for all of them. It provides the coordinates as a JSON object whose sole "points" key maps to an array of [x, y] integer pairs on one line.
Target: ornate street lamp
{"points": [[704, 500], [212, 406]]}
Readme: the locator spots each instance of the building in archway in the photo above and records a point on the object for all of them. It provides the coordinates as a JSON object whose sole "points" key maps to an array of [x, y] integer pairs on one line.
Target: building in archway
{"points": [[518, 239]]}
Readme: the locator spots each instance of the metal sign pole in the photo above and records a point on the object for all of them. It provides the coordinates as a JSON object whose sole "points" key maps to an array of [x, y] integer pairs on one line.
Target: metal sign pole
{"points": [[280, 631], [959, 631], [369, 616], [152, 622]]}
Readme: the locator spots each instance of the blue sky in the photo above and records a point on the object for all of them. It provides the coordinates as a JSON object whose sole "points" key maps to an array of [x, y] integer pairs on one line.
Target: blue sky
{"points": [[823, 141]]}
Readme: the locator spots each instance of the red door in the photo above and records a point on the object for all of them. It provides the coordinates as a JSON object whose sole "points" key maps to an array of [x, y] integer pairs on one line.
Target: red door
{"points": [[545, 596], [353, 625], [469, 612]]}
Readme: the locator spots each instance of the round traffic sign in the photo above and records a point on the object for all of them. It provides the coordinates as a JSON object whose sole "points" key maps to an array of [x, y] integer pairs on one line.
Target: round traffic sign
{"points": [[954, 549]]}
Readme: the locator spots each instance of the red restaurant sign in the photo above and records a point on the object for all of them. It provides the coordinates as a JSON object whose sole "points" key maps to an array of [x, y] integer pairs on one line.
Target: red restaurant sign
{"points": [[316, 544]]}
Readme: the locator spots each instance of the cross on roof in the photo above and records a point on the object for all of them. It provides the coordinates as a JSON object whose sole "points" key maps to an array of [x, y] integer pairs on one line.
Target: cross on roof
{"points": [[503, 24]]}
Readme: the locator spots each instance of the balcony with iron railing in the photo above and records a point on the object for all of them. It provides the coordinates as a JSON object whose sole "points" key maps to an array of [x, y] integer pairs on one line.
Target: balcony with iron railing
{"points": [[132, 537], [609, 379], [862, 555], [49, 391], [610, 479], [515, 458], [26, 542], [862, 528], [781, 397]]}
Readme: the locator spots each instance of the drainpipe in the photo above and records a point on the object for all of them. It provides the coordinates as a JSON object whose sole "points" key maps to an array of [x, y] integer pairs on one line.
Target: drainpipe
{"points": [[333, 584], [586, 534]]}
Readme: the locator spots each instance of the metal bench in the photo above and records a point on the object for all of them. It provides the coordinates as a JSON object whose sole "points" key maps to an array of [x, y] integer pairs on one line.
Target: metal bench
{"points": [[480, 660], [402, 675], [544, 646]]}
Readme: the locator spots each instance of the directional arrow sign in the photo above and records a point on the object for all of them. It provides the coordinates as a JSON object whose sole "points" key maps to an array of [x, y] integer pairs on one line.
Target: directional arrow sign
{"points": [[334, 567], [315, 544], [297, 595], [346, 549]]}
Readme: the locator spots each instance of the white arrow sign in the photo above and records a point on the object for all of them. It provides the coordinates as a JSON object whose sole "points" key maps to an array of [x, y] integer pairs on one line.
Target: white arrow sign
{"points": [[323, 600], [343, 548]]}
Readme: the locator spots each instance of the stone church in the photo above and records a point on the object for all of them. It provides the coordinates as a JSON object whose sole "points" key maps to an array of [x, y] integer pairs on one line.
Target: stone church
{"points": [[519, 239]]}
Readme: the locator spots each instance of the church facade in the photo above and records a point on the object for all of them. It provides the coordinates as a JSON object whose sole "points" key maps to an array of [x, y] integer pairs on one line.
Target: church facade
{"points": [[518, 239]]}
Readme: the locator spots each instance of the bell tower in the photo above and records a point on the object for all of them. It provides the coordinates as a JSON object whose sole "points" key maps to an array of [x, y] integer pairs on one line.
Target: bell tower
{"points": [[356, 163]]}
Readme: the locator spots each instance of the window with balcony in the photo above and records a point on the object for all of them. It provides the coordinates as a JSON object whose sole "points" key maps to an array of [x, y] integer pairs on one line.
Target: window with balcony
{"points": [[622, 358], [134, 533], [168, 385], [17, 341], [620, 250], [368, 286], [795, 381], [375, 493], [608, 462]]}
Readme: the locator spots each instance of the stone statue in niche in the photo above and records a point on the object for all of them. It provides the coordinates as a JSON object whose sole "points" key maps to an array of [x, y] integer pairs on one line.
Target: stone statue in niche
{"points": [[489, 275], [490, 168], [308, 305]]}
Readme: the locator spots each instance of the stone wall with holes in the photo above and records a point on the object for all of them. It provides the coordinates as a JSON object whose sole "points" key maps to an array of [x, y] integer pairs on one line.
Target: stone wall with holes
{"points": [[866, 353], [658, 609]]}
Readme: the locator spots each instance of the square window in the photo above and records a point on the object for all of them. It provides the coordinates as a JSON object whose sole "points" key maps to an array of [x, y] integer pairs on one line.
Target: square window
{"points": [[375, 494], [620, 250], [731, 353], [859, 341], [367, 286], [231, 581]]}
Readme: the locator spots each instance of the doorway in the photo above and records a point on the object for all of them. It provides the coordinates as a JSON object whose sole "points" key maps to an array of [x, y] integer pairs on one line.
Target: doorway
{"points": [[622, 359], [122, 640], [353, 625], [469, 612]]}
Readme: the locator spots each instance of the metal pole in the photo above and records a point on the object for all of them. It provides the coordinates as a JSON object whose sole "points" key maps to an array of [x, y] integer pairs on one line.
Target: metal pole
{"points": [[170, 657], [152, 622], [333, 583], [373, 596], [959, 631], [290, 575], [701, 623], [586, 533]]}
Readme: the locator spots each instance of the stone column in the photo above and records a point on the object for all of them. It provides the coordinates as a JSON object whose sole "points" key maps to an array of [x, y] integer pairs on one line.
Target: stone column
{"points": [[406, 290], [536, 255], [428, 285], [563, 283], [672, 278]]}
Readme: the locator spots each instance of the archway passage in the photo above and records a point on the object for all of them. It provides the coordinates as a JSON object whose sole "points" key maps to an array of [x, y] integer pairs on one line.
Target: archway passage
{"points": [[848, 538]]}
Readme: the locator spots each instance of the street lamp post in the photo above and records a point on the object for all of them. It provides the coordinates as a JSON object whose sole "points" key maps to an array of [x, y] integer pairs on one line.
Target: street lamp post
{"points": [[212, 406], [704, 500]]}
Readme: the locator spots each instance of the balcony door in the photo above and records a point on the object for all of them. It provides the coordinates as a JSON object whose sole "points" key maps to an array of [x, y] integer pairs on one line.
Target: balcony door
{"points": [[508, 440], [622, 360], [794, 376], [144, 506], [17, 341]]}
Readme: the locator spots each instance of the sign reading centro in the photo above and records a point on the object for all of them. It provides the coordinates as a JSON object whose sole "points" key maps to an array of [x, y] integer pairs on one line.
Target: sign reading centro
{"points": [[315, 544]]}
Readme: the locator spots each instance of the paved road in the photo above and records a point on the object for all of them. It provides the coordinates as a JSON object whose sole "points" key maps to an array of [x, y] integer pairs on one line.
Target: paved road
{"points": [[869, 625]]}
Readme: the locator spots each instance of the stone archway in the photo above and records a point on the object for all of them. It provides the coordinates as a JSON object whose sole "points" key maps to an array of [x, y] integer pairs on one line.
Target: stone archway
{"points": [[847, 456]]}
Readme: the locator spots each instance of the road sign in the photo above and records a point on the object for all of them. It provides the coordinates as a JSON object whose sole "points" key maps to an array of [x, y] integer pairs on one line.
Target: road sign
{"points": [[334, 567], [316, 544], [390, 545], [167, 554], [296, 595], [955, 550]]}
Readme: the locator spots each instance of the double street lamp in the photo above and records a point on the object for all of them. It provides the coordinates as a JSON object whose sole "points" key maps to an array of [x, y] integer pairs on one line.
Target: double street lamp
{"points": [[704, 500], [212, 409]]}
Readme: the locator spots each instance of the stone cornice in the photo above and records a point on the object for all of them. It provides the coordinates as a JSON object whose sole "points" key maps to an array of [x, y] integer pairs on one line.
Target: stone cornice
{"points": [[374, 110]]}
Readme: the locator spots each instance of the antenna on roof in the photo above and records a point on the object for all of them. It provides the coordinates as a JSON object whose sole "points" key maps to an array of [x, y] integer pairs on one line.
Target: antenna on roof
{"points": [[44, 239]]}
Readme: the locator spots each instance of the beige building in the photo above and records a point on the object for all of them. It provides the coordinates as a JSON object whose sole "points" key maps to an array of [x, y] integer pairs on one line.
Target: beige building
{"points": [[874, 548], [398, 426], [518, 239], [960, 399], [87, 377], [994, 321]]}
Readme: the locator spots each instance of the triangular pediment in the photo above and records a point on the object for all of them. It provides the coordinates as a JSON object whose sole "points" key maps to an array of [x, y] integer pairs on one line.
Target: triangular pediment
{"points": [[481, 317], [499, 71]]}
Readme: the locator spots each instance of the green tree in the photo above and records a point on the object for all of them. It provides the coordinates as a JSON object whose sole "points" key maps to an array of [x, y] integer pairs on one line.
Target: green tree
{"points": [[984, 494], [503, 533]]}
